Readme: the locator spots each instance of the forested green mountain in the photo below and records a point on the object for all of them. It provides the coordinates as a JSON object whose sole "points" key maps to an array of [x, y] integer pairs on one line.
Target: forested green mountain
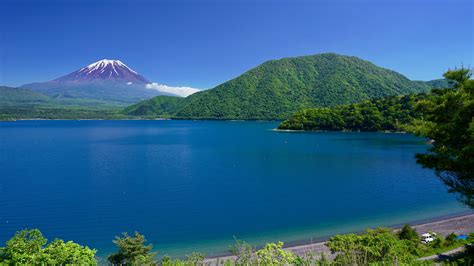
{"points": [[157, 105], [278, 88], [387, 114], [439, 83]]}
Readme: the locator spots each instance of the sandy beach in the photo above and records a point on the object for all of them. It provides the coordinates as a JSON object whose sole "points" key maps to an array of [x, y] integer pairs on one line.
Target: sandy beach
{"points": [[460, 225]]}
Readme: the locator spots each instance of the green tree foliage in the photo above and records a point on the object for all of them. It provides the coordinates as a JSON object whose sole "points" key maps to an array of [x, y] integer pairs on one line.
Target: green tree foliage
{"points": [[376, 246], [274, 254], [28, 247], [132, 251], [243, 252], [193, 259], [278, 88], [450, 239], [387, 114], [448, 120], [196, 258], [67, 253], [439, 83], [162, 105], [408, 233]]}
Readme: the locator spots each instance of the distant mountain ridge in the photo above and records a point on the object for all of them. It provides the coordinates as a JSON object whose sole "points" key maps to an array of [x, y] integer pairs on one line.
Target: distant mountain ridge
{"points": [[21, 97], [278, 88], [108, 81]]}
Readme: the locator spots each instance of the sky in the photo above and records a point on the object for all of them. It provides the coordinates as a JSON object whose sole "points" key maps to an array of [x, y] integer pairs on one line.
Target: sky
{"points": [[201, 44]]}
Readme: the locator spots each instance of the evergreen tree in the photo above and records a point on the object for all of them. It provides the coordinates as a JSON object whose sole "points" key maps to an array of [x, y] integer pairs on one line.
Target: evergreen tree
{"points": [[448, 120], [408, 233], [132, 251]]}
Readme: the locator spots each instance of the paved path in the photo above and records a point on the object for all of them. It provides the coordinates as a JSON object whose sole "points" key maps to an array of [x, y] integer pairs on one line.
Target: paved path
{"points": [[443, 255]]}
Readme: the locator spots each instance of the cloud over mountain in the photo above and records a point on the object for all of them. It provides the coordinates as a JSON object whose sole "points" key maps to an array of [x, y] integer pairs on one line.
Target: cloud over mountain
{"points": [[180, 91]]}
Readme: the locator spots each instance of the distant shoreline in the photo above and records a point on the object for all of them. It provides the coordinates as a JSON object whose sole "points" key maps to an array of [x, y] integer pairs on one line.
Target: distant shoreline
{"points": [[135, 119], [321, 130], [460, 223]]}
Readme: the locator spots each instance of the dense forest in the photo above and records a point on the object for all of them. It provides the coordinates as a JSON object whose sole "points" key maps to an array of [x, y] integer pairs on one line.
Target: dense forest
{"points": [[164, 105], [386, 114], [278, 88], [58, 112]]}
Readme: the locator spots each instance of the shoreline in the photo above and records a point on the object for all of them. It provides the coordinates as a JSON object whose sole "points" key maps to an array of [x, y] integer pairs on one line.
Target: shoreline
{"points": [[417, 223], [322, 130], [459, 223], [136, 119]]}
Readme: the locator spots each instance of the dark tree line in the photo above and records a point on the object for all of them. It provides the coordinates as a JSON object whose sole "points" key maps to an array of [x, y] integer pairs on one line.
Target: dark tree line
{"points": [[386, 114]]}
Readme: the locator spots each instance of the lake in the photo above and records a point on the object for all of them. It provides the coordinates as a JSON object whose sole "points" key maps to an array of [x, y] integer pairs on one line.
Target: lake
{"points": [[194, 185]]}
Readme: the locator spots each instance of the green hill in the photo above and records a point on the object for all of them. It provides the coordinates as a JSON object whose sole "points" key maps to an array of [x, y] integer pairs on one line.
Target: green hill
{"points": [[21, 97], [16, 103], [159, 105], [439, 83], [278, 88]]}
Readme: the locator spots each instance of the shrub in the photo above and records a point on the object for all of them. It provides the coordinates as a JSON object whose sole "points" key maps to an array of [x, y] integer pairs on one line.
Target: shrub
{"points": [[408, 233], [27, 247]]}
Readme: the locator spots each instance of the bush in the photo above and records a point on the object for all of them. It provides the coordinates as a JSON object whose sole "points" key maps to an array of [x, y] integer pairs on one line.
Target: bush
{"points": [[450, 239], [132, 251], [274, 254], [27, 247], [379, 245], [408, 233]]}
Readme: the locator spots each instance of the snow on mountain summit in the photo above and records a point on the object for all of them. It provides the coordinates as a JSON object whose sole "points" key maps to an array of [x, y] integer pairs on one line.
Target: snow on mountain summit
{"points": [[105, 69], [102, 64], [107, 79]]}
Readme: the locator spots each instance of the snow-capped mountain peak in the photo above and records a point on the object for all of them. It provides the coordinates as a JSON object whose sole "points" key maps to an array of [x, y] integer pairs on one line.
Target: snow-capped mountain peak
{"points": [[102, 64], [105, 69], [107, 80]]}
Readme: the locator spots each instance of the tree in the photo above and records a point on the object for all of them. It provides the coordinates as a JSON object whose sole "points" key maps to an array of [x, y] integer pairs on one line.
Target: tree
{"points": [[408, 233], [27, 247], [448, 120], [274, 254], [132, 251], [24, 248], [59, 252], [450, 239], [195, 258], [376, 246], [243, 252]]}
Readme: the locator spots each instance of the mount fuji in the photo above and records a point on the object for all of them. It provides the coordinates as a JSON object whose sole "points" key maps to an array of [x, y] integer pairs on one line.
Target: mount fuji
{"points": [[108, 70], [110, 81]]}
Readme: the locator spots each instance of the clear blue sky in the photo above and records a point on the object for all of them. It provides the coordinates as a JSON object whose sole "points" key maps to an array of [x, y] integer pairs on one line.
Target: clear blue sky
{"points": [[203, 43]]}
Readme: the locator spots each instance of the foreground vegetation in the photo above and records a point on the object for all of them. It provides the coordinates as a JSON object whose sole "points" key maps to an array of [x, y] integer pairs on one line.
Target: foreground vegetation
{"points": [[379, 246], [29, 247]]}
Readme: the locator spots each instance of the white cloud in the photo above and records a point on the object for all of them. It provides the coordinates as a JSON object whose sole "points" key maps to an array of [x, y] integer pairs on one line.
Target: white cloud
{"points": [[180, 91]]}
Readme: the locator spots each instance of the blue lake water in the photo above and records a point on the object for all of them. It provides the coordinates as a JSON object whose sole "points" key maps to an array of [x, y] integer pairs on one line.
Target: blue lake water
{"points": [[193, 185]]}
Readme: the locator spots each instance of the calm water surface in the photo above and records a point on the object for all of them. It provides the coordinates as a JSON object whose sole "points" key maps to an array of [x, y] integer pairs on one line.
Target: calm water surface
{"points": [[193, 185]]}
